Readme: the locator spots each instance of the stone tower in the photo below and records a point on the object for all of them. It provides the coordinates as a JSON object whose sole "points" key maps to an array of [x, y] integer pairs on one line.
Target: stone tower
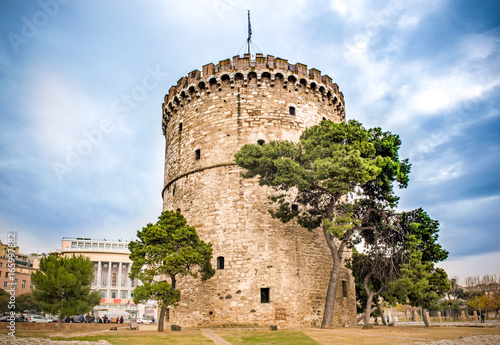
{"points": [[267, 272]]}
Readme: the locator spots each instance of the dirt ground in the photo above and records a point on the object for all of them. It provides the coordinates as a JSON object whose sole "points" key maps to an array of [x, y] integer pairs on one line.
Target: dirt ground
{"points": [[393, 335]]}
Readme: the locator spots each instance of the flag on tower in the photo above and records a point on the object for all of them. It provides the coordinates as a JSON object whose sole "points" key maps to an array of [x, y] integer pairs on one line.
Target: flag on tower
{"points": [[249, 26]]}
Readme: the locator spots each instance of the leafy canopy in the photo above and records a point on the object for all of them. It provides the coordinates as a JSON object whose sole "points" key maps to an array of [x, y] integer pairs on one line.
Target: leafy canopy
{"points": [[62, 285], [331, 160], [164, 251]]}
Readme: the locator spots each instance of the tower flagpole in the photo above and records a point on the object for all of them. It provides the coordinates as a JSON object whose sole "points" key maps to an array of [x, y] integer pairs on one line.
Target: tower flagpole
{"points": [[249, 32]]}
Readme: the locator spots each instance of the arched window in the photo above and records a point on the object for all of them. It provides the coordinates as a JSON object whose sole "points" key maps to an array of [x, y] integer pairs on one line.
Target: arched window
{"points": [[220, 262]]}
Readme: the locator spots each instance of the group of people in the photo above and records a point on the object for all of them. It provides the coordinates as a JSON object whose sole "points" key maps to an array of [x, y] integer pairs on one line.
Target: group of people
{"points": [[105, 319], [89, 319]]}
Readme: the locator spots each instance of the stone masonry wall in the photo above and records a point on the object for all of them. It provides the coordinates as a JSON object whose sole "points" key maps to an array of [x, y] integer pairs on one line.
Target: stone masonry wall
{"points": [[206, 121]]}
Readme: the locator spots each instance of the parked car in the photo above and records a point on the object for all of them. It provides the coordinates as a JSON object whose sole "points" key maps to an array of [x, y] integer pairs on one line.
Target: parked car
{"points": [[38, 319], [8, 318], [143, 320]]}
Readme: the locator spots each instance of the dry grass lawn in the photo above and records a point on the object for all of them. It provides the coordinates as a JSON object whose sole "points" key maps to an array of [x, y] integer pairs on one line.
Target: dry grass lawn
{"points": [[380, 335]]}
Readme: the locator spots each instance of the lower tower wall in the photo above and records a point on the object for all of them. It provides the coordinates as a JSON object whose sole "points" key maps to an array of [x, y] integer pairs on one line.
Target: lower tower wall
{"points": [[259, 252]]}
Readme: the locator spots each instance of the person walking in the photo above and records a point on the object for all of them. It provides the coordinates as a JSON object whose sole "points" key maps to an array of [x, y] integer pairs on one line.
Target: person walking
{"points": [[482, 317]]}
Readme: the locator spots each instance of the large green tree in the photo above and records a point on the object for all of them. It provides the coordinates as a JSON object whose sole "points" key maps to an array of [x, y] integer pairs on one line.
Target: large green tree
{"points": [[421, 284], [164, 252], [62, 285], [340, 174], [4, 301], [388, 250], [26, 302]]}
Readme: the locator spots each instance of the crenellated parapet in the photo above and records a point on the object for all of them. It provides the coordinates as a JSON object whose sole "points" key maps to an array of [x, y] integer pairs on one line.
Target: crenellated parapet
{"points": [[243, 72]]}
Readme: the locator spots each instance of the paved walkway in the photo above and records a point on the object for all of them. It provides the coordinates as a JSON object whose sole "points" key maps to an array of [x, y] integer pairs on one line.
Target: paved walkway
{"points": [[214, 336], [9, 340]]}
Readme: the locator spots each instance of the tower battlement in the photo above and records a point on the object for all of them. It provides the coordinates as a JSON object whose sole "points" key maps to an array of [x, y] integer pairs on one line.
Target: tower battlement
{"points": [[240, 71]]}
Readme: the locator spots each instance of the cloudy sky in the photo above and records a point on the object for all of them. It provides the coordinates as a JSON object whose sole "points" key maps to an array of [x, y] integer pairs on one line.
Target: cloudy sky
{"points": [[82, 83]]}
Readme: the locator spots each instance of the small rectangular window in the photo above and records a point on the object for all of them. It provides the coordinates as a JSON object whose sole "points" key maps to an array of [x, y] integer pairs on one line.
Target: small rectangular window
{"points": [[101, 245], [264, 295], [103, 294], [73, 244], [197, 154], [292, 110], [220, 263], [344, 289], [295, 207], [180, 127]]}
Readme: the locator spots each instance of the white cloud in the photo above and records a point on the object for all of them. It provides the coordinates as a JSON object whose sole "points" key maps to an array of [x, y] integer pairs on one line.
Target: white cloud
{"points": [[59, 110], [466, 266]]}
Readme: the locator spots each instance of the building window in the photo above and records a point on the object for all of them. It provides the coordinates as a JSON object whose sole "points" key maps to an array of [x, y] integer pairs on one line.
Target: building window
{"points": [[197, 154], [5, 284], [180, 127], [344, 289], [261, 142], [73, 244], [295, 208], [264, 295], [80, 244], [23, 285], [1, 264], [108, 246], [101, 245], [113, 294], [88, 245], [124, 275], [103, 294], [104, 275], [120, 246], [124, 295], [292, 110], [220, 263], [94, 245], [95, 268], [115, 246]]}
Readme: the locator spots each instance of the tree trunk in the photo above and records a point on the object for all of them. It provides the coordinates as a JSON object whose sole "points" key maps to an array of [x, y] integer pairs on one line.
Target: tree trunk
{"points": [[362, 317], [162, 317], [424, 317], [59, 323], [368, 309], [334, 281], [381, 312]]}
